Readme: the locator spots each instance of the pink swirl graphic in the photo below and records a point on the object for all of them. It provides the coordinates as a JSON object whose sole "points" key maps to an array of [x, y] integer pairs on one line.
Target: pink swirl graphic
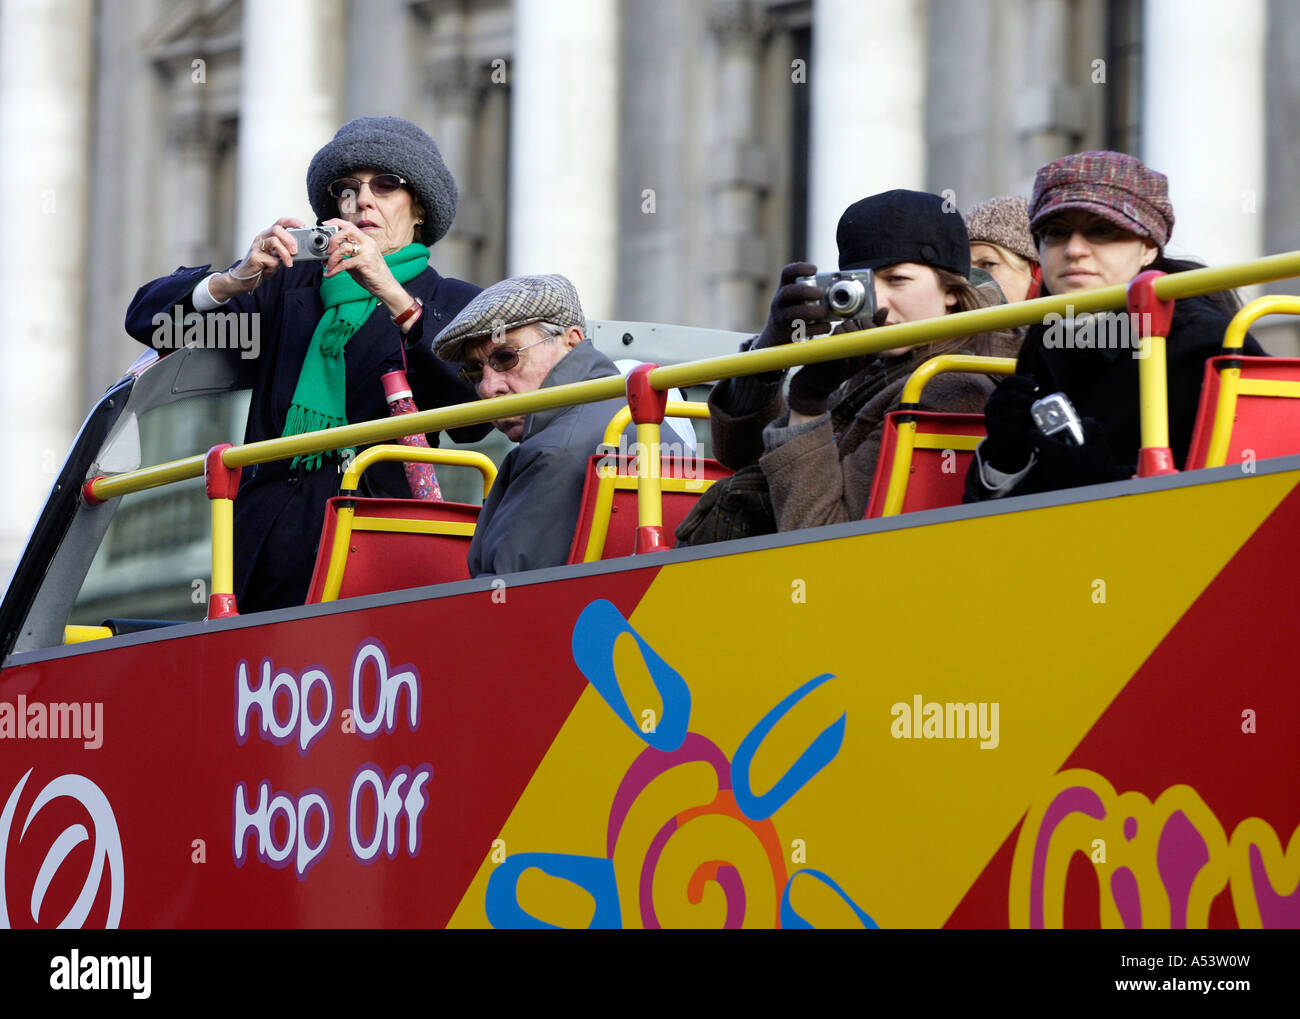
{"points": [[646, 768]]}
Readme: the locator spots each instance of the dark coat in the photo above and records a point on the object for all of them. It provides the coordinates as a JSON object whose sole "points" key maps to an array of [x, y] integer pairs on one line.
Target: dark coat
{"points": [[528, 518], [1102, 383], [279, 510]]}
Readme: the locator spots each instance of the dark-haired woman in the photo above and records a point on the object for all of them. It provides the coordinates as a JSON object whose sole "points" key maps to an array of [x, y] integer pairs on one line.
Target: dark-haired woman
{"points": [[819, 448], [1099, 219]]}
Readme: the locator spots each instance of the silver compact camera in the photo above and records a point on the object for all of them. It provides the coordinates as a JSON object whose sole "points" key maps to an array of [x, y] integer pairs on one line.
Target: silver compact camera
{"points": [[1055, 416], [850, 294], [313, 242]]}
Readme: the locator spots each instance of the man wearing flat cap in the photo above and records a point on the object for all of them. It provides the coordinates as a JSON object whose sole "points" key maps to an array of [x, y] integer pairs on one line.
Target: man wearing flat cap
{"points": [[519, 336]]}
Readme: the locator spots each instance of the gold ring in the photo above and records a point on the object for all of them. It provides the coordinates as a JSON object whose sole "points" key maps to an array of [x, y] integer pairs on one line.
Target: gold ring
{"points": [[356, 248], [262, 246]]}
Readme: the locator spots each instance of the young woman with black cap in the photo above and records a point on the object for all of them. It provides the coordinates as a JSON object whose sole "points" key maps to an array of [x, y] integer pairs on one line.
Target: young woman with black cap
{"points": [[819, 450]]}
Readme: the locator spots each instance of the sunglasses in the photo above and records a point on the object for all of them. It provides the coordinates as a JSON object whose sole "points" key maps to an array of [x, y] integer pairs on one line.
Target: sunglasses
{"points": [[1097, 231], [502, 359], [380, 185]]}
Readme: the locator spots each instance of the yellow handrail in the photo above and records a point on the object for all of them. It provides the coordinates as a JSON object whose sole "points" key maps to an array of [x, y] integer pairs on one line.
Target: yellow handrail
{"points": [[417, 454], [1192, 283], [968, 323], [74, 634], [645, 493], [902, 466], [672, 409], [1225, 411], [352, 477]]}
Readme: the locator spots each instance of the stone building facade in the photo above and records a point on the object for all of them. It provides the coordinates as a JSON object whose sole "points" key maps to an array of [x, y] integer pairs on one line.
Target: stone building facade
{"points": [[668, 155]]}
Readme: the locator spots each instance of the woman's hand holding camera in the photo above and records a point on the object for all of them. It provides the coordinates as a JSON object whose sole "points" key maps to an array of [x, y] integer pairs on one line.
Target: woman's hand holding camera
{"points": [[796, 307], [355, 252], [271, 248]]}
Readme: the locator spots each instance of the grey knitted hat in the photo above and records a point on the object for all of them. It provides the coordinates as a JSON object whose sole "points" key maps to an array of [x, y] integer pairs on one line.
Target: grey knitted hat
{"points": [[1005, 221], [508, 305], [392, 145]]}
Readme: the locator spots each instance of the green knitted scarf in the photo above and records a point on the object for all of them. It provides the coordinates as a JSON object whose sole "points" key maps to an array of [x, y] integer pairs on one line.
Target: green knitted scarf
{"points": [[320, 398]]}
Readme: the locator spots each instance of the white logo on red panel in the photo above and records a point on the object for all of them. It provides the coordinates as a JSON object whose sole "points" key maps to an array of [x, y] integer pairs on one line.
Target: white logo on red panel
{"points": [[106, 848]]}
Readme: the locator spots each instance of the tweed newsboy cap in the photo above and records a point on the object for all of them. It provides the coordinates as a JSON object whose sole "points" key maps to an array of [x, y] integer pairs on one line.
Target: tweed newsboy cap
{"points": [[391, 145], [1004, 221], [508, 305], [903, 226], [1115, 186]]}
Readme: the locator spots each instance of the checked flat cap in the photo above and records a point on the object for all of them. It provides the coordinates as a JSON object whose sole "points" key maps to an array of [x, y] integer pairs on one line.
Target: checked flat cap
{"points": [[508, 305]]}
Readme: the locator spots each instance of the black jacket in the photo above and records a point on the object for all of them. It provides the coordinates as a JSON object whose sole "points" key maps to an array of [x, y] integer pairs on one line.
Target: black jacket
{"points": [[1103, 385], [279, 511]]}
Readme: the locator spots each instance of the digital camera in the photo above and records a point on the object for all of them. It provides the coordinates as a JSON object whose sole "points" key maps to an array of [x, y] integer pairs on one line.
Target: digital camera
{"points": [[313, 242], [849, 294], [1055, 416]]}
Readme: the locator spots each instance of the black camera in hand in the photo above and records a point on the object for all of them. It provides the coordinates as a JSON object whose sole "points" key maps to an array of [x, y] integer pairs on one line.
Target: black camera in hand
{"points": [[846, 295]]}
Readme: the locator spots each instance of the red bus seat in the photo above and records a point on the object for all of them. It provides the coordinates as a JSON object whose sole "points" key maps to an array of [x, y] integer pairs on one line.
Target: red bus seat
{"points": [[1266, 419], [396, 544], [613, 505], [942, 451]]}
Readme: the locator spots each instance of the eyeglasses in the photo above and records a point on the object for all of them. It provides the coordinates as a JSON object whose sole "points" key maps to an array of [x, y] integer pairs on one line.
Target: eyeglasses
{"points": [[502, 359], [1096, 231], [380, 185]]}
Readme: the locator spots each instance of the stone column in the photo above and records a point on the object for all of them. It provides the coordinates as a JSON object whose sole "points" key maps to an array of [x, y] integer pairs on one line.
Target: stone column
{"points": [[455, 98], [124, 192], [564, 146], [1203, 123], [188, 158], [288, 106], [738, 165], [379, 64], [46, 79], [867, 75]]}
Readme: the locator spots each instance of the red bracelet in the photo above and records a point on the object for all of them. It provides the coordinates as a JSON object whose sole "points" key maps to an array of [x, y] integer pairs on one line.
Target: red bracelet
{"points": [[416, 307]]}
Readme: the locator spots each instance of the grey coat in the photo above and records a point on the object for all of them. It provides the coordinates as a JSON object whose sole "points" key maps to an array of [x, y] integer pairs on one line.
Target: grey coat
{"points": [[528, 518]]}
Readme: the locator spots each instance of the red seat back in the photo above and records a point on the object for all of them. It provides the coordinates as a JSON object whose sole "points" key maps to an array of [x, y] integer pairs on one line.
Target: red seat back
{"points": [[944, 447], [391, 560], [1265, 423], [684, 481]]}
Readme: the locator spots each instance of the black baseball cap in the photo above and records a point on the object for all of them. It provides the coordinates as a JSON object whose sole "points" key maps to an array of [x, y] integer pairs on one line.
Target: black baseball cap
{"points": [[903, 226]]}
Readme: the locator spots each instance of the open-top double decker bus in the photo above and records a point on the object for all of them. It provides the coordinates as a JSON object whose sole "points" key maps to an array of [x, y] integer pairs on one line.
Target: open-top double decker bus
{"points": [[1070, 709]]}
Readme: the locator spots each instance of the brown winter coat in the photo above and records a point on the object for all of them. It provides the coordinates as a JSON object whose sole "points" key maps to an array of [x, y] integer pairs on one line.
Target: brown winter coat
{"points": [[815, 479]]}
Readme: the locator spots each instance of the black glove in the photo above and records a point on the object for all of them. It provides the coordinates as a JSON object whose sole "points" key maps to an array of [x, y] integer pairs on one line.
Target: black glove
{"points": [[1009, 425], [812, 386], [793, 302], [1065, 465]]}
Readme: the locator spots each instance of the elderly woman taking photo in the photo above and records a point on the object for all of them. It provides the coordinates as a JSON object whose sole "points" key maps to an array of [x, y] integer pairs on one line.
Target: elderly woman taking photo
{"points": [[330, 328]]}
